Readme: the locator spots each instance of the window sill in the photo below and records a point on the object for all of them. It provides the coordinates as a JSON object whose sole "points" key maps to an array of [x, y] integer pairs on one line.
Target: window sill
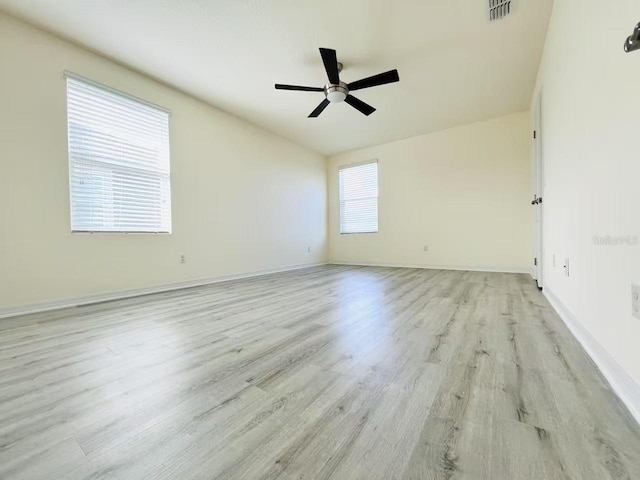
{"points": [[101, 232]]}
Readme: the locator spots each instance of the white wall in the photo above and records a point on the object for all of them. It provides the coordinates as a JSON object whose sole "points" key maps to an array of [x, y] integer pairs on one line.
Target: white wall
{"points": [[464, 192], [591, 137], [243, 199]]}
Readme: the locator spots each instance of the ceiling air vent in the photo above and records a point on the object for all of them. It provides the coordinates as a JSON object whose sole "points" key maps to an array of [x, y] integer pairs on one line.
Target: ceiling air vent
{"points": [[499, 9]]}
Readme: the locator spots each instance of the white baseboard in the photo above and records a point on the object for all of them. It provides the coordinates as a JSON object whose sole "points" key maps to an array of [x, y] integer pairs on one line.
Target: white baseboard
{"points": [[87, 300], [622, 384], [436, 267]]}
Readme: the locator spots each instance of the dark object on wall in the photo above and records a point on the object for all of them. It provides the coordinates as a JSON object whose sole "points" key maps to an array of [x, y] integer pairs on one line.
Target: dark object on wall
{"points": [[633, 42]]}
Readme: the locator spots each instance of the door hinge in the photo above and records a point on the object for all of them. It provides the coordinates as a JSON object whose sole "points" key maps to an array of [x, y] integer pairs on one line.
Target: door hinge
{"points": [[535, 262], [534, 134]]}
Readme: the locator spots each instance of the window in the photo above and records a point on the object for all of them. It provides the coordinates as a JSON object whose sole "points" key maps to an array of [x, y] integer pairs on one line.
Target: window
{"points": [[359, 198], [118, 161]]}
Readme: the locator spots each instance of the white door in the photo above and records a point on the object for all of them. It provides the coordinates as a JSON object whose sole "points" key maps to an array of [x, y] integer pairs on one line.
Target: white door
{"points": [[538, 198]]}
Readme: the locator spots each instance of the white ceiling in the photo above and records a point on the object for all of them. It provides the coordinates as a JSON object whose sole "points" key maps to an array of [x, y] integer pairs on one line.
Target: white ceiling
{"points": [[455, 66]]}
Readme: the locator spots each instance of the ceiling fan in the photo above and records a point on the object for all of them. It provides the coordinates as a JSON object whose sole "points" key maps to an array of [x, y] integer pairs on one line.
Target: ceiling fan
{"points": [[337, 91]]}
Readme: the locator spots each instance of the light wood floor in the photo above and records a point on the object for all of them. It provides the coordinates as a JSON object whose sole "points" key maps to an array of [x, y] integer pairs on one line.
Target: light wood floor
{"points": [[331, 372]]}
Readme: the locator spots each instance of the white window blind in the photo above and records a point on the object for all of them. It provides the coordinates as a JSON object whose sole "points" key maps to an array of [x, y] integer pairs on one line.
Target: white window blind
{"points": [[359, 198], [119, 171]]}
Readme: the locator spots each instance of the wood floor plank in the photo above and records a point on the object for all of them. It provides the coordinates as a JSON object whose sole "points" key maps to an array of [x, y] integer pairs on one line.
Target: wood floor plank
{"points": [[332, 372]]}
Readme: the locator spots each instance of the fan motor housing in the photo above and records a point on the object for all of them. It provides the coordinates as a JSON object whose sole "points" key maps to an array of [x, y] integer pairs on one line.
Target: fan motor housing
{"points": [[336, 93]]}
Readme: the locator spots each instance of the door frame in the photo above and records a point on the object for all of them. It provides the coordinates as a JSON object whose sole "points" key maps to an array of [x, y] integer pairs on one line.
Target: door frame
{"points": [[539, 195]]}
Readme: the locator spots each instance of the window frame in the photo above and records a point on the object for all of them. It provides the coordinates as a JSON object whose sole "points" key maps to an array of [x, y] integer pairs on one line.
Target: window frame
{"points": [[377, 197], [112, 91]]}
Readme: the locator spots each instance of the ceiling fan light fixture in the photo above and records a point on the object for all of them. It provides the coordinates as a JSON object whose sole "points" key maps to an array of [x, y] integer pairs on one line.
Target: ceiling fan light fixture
{"points": [[336, 93]]}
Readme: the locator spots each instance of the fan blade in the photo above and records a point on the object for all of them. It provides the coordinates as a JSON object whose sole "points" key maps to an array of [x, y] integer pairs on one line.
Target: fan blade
{"points": [[319, 109], [330, 65], [380, 79], [279, 86], [359, 105]]}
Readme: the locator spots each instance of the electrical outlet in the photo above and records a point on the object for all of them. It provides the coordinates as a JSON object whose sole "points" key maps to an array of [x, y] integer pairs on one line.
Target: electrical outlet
{"points": [[183, 258], [426, 248], [635, 300]]}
